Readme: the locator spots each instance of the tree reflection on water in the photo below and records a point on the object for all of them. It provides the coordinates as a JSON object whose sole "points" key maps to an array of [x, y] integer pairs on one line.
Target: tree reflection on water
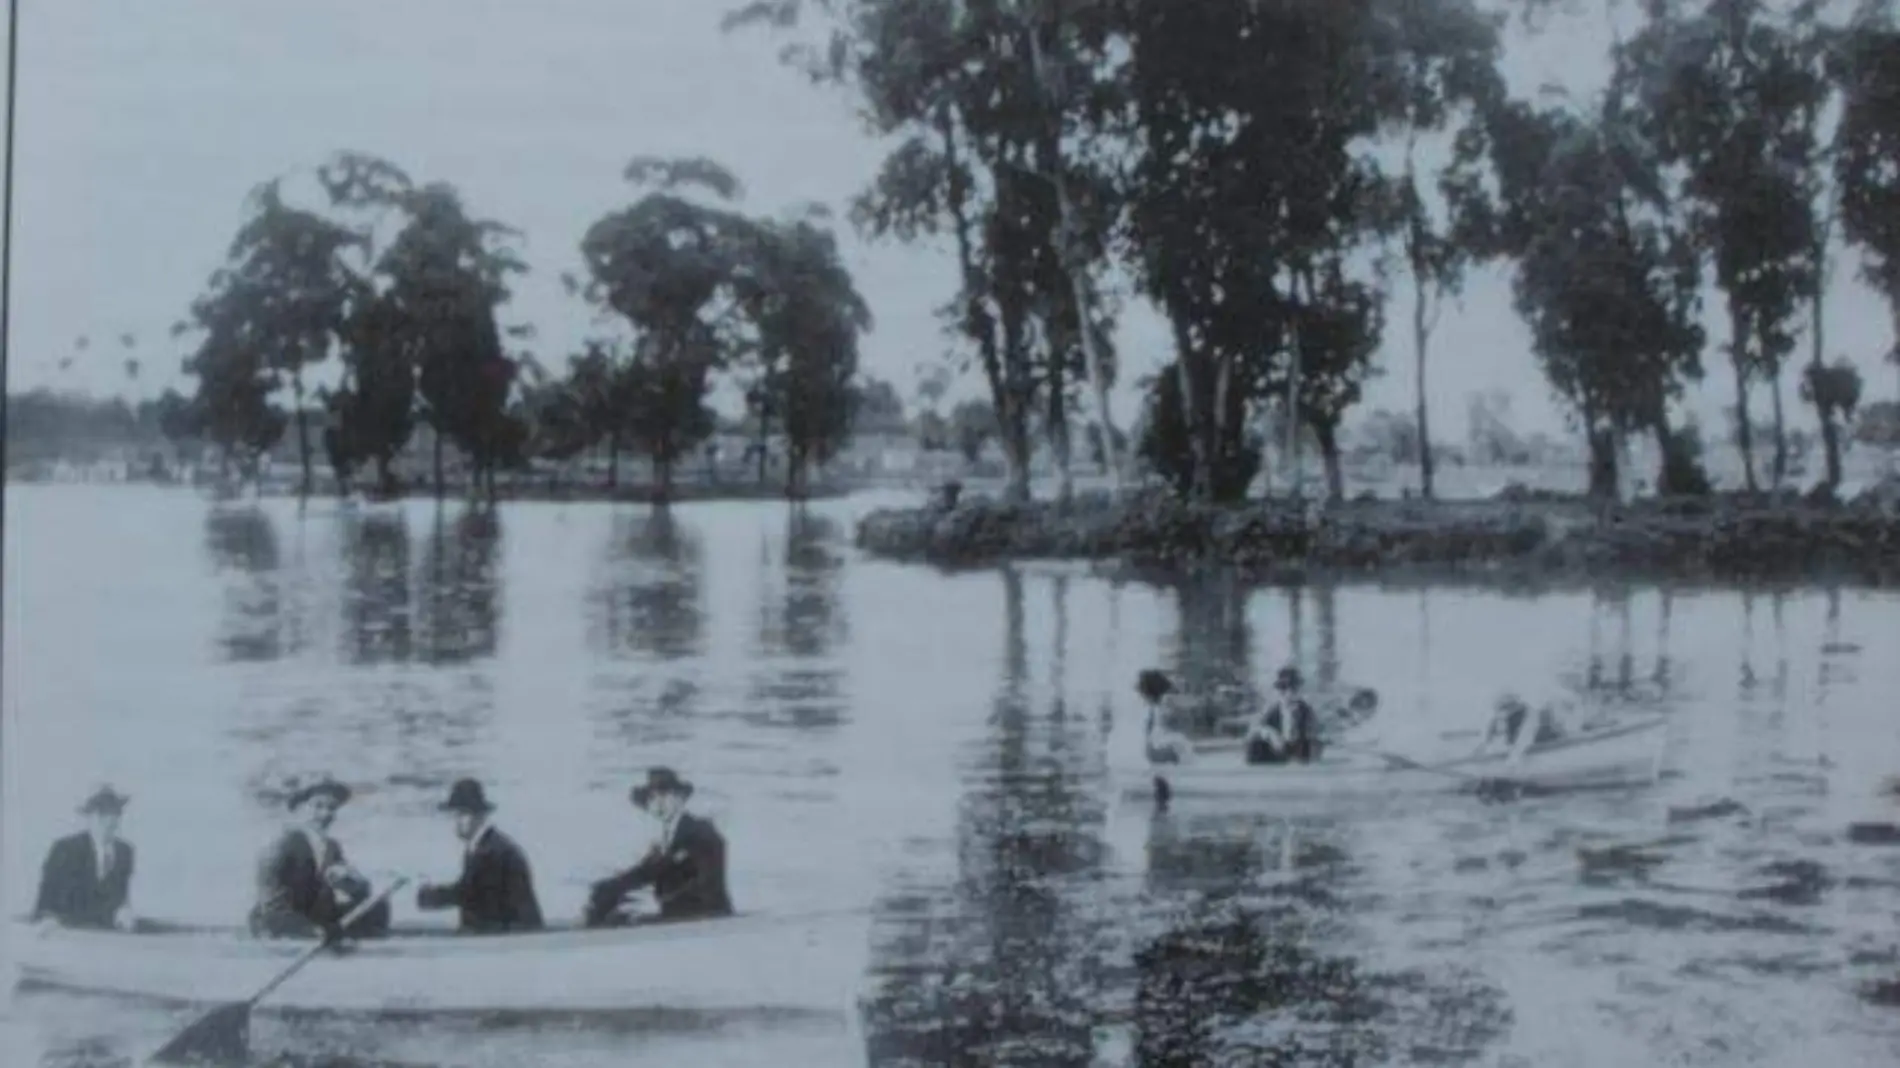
{"points": [[263, 616]]}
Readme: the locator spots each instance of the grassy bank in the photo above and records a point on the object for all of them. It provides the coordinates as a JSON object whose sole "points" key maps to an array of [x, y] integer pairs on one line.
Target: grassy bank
{"points": [[1724, 538]]}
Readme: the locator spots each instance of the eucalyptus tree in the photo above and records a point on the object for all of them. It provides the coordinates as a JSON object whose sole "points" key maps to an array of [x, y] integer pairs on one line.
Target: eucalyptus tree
{"points": [[446, 276], [989, 103], [1254, 185], [1727, 90], [806, 317], [1446, 53], [669, 266], [1867, 155], [283, 300], [1607, 277]]}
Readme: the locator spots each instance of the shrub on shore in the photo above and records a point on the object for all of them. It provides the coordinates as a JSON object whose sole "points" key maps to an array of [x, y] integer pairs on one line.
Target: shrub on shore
{"points": [[1713, 536]]}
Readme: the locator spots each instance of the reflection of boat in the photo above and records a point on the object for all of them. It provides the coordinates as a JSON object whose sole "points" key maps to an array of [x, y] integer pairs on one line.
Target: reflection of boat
{"points": [[810, 962], [1620, 754]]}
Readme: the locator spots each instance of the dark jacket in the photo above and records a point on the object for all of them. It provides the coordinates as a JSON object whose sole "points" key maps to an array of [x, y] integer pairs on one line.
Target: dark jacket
{"points": [[71, 890], [295, 901], [689, 879], [1302, 740], [496, 891]]}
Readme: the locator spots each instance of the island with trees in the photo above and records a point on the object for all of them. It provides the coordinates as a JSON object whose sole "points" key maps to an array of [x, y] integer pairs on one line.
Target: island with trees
{"points": [[1257, 171]]}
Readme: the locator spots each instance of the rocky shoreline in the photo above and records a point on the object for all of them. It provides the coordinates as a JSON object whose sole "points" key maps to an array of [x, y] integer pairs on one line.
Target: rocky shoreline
{"points": [[1525, 537]]}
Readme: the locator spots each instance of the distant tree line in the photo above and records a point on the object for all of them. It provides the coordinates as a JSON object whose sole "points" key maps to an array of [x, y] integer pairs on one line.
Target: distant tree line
{"points": [[703, 290], [1236, 160]]}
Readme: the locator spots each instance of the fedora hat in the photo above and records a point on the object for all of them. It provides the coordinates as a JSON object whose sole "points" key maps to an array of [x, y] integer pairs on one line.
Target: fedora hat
{"points": [[104, 799], [1288, 677], [660, 781], [467, 796], [297, 791]]}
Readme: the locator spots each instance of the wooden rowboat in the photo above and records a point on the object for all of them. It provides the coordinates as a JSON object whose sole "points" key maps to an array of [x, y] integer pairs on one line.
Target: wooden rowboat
{"points": [[1620, 754], [812, 962]]}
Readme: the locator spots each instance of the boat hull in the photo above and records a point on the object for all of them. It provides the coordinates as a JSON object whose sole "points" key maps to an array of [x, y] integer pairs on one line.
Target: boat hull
{"points": [[805, 963], [1619, 755]]}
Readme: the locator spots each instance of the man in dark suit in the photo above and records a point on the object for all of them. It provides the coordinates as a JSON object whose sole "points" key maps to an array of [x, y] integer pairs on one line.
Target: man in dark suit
{"points": [[305, 887], [496, 891], [686, 866], [1289, 731], [87, 878]]}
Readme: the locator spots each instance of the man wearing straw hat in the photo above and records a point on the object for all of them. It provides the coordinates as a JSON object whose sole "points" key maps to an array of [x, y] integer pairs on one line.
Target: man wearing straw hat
{"points": [[304, 885], [495, 894], [87, 878]]}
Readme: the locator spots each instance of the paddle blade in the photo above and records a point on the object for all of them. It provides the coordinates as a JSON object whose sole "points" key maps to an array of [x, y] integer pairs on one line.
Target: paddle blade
{"points": [[219, 1037]]}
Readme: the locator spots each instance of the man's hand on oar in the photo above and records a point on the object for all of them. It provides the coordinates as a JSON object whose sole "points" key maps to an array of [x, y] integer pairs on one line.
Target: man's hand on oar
{"points": [[223, 1035]]}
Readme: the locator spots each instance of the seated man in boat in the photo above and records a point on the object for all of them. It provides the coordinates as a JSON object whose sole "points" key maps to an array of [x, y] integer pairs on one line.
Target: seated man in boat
{"points": [[496, 891], [1508, 733], [87, 878], [1289, 729], [686, 866], [304, 885]]}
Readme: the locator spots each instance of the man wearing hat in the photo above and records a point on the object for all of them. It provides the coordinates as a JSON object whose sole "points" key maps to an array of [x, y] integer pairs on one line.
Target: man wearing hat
{"points": [[304, 885], [686, 867], [496, 891], [87, 877], [1288, 730]]}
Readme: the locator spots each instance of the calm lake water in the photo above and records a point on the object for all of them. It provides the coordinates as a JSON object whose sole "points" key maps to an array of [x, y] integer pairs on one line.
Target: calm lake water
{"points": [[932, 748]]}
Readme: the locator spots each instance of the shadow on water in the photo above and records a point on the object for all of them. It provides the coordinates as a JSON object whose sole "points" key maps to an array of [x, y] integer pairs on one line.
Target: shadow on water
{"points": [[460, 592], [262, 618], [1001, 966], [378, 609], [801, 625]]}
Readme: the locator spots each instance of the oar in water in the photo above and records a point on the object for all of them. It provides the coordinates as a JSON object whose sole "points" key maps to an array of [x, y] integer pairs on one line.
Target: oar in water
{"points": [[1490, 787], [223, 1035]]}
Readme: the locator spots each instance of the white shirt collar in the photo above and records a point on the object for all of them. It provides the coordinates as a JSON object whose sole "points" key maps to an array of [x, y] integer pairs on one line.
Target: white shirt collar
{"points": [[476, 838]]}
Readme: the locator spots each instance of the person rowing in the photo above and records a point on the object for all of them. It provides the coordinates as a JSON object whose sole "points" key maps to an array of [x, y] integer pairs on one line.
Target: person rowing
{"points": [[1516, 728], [1288, 731]]}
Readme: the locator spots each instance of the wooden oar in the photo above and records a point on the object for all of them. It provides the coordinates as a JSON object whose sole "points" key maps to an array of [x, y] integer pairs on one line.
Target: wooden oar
{"points": [[223, 1035], [1490, 787]]}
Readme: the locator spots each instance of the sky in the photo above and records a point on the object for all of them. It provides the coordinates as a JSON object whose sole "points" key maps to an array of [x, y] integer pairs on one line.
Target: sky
{"points": [[142, 126]]}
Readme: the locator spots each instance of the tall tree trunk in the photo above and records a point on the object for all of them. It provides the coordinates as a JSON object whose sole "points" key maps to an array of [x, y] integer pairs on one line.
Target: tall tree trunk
{"points": [[1326, 435], [1744, 423], [980, 325], [1295, 477], [613, 459], [1200, 449], [662, 481], [1603, 466], [1781, 431], [1068, 250], [308, 485], [441, 485], [1421, 337], [1817, 307]]}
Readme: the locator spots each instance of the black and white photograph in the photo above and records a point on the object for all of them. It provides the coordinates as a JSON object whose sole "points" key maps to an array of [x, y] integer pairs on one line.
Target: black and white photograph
{"points": [[950, 534]]}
